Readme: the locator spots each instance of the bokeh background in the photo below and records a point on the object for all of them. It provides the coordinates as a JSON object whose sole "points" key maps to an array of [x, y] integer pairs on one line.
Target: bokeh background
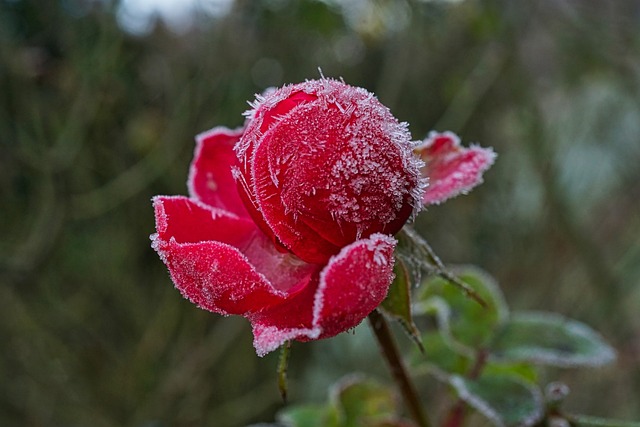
{"points": [[98, 109]]}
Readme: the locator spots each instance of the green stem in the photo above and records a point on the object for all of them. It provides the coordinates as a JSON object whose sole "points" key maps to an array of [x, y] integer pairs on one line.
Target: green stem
{"points": [[392, 355], [283, 364]]}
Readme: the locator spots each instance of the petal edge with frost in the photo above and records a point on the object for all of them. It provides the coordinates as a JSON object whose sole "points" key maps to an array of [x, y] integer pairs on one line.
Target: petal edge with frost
{"points": [[210, 178], [211, 272], [354, 283], [451, 168]]}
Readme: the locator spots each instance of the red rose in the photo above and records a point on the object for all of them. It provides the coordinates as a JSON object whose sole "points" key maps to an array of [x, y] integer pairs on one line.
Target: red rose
{"points": [[290, 220]]}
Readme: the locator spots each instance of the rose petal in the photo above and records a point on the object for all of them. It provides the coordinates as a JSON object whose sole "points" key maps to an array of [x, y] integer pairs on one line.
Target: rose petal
{"points": [[189, 221], [217, 277], [199, 245], [295, 235], [451, 168], [292, 320], [352, 285], [210, 177]]}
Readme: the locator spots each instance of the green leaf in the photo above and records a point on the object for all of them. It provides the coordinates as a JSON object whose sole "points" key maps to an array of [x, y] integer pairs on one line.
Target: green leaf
{"points": [[587, 421], [523, 370], [411, 251], [362, 402], [354, 402], [397, 304], [440, 358], [550, 339], [309, 416], [468, 323], [506, 400], [419, 257]]}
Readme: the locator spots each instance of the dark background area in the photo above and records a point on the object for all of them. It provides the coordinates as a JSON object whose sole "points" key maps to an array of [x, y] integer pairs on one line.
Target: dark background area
{"points": [[94, 121]]}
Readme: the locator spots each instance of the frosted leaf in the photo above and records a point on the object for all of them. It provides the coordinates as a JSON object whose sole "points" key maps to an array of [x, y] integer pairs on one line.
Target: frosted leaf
{"points": [[551, 339], [505, 400]]}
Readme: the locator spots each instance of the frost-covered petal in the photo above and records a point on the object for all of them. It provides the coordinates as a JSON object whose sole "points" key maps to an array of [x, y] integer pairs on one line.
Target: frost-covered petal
{"points": [[451, 168], [210, 177], [191, 221], [200, 246], [354, 283], [292, 320]]}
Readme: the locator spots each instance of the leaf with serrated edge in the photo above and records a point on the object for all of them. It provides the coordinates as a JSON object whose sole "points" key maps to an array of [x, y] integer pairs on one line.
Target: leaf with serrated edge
{"points": [[397, 304], [505, 400], [550, 339]]}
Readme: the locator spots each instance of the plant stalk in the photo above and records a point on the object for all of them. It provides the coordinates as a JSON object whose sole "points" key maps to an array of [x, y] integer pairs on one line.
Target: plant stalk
{"points": [[392, 356]]}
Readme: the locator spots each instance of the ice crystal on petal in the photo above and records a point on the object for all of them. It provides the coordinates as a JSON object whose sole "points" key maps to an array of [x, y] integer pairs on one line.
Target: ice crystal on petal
{"points": [[268, 339]]}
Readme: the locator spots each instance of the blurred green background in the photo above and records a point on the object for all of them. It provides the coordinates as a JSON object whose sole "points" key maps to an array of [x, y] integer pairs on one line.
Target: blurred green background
{"points": [[95, 120]]}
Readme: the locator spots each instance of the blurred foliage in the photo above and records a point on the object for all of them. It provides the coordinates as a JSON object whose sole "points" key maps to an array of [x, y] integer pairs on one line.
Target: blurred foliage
{"points": [[490, 357], [94, 121], [353, 401]]}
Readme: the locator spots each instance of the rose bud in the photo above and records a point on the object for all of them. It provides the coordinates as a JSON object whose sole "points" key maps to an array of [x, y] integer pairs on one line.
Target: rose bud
{"points": [[323, 164]]}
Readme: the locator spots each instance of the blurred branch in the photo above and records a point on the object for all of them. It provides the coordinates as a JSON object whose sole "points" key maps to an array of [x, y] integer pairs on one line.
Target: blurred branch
{"points": [[43, 231], [189, 375], [393, 76], [135, 179], [538, 147], [464, 104], [42, 355], [603, 278]]}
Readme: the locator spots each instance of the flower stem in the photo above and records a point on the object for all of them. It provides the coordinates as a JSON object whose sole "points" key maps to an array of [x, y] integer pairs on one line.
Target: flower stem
{"points": [[391, 354], [283, 364]]}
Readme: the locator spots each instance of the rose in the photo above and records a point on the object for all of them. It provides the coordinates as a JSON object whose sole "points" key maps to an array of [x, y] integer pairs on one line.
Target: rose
{"points": [[290, 220]]}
